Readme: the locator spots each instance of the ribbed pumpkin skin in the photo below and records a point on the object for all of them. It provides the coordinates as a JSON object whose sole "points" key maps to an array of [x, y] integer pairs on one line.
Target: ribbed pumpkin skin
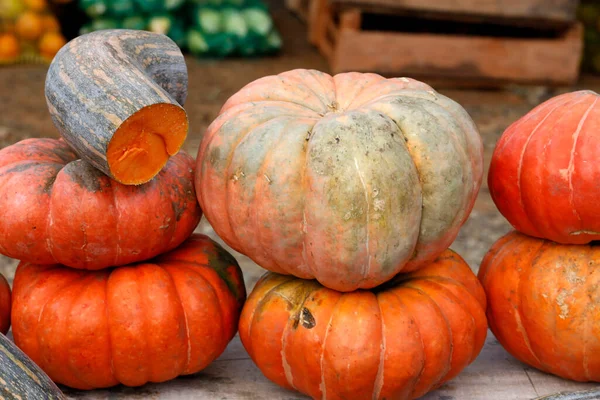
{"points": [[544, 172], [149, 322], [398, 341], [347, 179], [543, 302], [55, 208], [5, 303]]}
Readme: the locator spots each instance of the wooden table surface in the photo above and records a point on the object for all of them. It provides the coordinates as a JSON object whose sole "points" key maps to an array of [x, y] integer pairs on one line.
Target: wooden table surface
{"points": [[495, 375]]}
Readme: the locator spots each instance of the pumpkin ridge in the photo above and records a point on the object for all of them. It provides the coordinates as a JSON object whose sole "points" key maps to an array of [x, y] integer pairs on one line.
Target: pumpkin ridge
{"points": [[444, 377], [363, 89], [85, 282], [108, 335], [380, 377], [521, 200], [518, 311], [117, 222], [253, 216], [458, 147], [304, 82], [186, 368], [228, 174], [145, 354], [323, 385], [571, 167], [418, 376]]}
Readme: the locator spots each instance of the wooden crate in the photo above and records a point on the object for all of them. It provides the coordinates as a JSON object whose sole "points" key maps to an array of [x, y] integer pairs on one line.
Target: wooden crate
{"points": [[446, 59], [551, 13]]}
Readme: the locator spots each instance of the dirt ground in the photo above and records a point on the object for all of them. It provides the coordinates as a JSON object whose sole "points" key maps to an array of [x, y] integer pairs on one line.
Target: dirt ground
{"points": [[23, 114]]}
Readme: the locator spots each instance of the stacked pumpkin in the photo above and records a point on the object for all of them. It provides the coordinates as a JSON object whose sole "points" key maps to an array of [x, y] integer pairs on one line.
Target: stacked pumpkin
{"points": [[113, 287], [349, 189], [542, 281]]}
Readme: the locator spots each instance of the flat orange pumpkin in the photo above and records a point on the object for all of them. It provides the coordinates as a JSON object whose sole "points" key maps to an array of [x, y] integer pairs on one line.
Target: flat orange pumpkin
{"points": [[397, 341], [148, 322], [56, 208], [543, 303], [347, 179]]}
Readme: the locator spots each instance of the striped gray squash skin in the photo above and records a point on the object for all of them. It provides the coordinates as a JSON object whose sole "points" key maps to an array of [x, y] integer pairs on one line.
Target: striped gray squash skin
{"points": [[107, 80], [21, 378]]}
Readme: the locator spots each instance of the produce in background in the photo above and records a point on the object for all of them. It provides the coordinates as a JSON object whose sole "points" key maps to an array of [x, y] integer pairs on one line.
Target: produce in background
{"points": [[5, 304], [348, 179], [56, 208], [21, 378], [589, 14], [117, 98], [147, 322], [29, 32], [543, 303], [544, 171], [397, 341], [227, 29], [208, 28]]}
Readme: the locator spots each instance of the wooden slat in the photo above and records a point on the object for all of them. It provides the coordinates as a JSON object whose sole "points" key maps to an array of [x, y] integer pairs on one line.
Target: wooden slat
{"points": [[318, 17], [550, 10], [299, 7], [491, 59]]}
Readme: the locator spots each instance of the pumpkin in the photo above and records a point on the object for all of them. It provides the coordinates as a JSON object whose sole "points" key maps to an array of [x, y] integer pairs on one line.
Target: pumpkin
{"points": [[116, 97], [5, 304], [347, 179], [543, 303], [544, 172], [55, 208], [397, 341], [20, 378], [147, 322]]}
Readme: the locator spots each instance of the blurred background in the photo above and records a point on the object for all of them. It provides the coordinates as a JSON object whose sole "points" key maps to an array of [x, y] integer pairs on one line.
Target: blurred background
{"points": [[497, 58]]}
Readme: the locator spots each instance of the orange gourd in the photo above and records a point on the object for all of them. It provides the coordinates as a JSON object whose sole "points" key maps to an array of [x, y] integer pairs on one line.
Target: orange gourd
{"points": [[397, 341], [147, 322], [544, 172], [348, 179], [56, 208], [543, 303]]}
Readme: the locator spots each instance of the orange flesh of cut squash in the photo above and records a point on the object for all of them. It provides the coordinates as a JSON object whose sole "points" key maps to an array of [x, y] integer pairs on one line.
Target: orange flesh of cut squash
{"points": [[143, 143]]}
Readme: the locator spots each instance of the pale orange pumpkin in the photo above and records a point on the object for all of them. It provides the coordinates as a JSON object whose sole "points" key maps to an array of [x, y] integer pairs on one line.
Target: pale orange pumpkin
{"points": [[348, 179]]}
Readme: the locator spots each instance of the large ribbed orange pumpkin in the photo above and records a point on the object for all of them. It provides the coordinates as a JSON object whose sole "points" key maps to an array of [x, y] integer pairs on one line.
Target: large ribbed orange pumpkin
{"points": [[56, 208], [5, 305], [147, 322], [347, 179], [544, 172], [544, 303], [397, 341]]}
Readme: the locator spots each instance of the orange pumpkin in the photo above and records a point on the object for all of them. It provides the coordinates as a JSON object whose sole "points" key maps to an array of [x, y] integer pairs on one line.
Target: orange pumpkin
{"points": [[397, 341], [141, 323], [56, 208], [543, 303], [347, 179], [5, 304], [544, 171]]}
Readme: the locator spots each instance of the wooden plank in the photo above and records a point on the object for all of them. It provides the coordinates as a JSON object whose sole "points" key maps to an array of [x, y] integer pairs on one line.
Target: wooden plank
{"points": [[495, 375], [551, 10], [463, 58]]}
